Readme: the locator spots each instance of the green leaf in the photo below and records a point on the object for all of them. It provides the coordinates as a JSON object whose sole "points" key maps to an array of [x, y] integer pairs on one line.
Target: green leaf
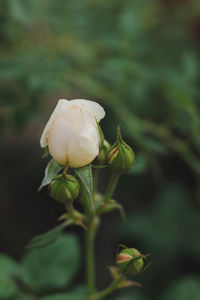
{"points": [[52, 169], [22, 296], [78, 294], [187, 288], [8, 287], [43, 240], [8, 266], [53, 266], [84, 175]]}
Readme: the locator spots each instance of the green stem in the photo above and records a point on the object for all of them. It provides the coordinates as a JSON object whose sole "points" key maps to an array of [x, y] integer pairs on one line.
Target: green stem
{"points": [[111, 186], [90, 257], [107, 291], [69, 208], [95, 181]]}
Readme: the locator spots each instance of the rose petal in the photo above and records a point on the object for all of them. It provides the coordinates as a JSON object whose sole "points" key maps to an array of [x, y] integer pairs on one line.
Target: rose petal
{"points": [[56, 112], [95, 109]]}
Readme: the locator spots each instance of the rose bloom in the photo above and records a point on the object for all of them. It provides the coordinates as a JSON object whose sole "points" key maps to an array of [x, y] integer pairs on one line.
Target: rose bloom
{"points": [[71, 133]]}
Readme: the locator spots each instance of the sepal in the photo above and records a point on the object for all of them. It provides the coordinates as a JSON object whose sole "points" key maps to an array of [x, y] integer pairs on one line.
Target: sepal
{"points": [[52, 169], [109, 206], [101, 135], [101, 159], [73, 219], [46, 152]]}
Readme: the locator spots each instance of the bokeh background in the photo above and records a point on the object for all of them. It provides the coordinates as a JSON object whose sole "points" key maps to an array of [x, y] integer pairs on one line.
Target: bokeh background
{"points": [[140, 59]]}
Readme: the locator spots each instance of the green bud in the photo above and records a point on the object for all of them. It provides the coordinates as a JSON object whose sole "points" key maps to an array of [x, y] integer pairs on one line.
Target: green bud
{"points": [[130, 261], [64, 188], [101, 158], [121, 156]]}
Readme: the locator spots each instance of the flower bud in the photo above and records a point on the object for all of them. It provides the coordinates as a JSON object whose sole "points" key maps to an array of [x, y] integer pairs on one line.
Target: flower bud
{"points": [[64, 188], [72, 133], [121, 156], [130, 261], [101, 158]]}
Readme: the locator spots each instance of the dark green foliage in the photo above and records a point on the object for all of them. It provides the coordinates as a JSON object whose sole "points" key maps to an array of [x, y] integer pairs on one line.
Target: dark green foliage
{"points": [[8, 287], [41, 271], [52, 267], [184, 289], [46, 238]]}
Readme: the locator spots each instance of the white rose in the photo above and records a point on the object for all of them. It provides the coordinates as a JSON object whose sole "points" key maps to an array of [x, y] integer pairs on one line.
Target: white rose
{"points": [[71, 133]]}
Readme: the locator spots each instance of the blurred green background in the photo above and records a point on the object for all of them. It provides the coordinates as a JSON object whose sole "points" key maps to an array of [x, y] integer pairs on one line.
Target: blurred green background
{"points": [[140, 59]]}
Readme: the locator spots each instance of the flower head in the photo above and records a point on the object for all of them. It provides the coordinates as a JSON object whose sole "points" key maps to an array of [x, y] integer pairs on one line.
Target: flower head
{"points": [[72, 134]]}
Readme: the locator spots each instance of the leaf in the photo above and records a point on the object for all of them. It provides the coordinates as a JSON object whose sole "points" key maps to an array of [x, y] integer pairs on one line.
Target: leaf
{"points": [[84, 175], [184, 289], [8, 287], [43, 240], [52, 169], [22, 296], [77, 294], [8, 266], [53, 266]]}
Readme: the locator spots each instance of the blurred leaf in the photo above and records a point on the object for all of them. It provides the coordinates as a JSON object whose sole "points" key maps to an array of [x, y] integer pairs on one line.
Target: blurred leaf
{"points": [[52, 169], [22, 10], [77, 294], [8, 266], [22, 296], [8, 287], [184, 289], [52, 267], [46, 238], [140, 166]]}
